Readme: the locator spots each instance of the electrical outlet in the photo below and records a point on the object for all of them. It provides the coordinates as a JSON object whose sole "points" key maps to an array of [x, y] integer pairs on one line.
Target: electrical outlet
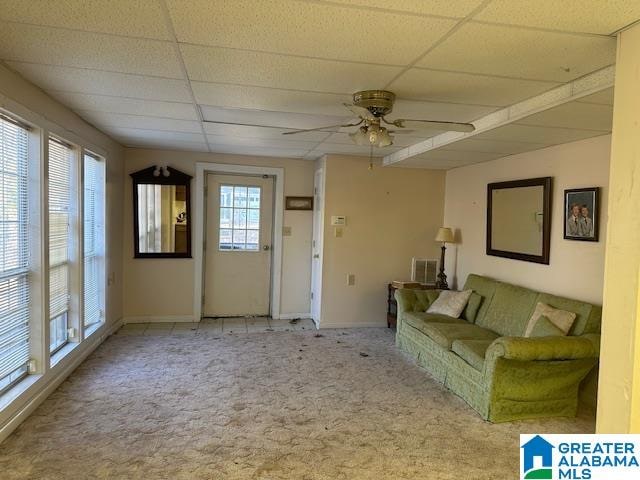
{"points": [[351, 279]]}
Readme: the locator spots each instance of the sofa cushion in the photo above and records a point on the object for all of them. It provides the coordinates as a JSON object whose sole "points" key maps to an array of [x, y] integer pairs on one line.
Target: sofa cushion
{"points": [[419, 319], [472, 351], [587, 315], [545, 328], [450, 303], [510, 310], [473, 305], [560, 318], [483, 286], [444, 334]]}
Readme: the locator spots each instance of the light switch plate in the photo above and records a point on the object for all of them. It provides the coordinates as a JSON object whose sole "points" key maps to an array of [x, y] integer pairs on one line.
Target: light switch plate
{"points": [[351, 279], [337, 232], [286, 231]]}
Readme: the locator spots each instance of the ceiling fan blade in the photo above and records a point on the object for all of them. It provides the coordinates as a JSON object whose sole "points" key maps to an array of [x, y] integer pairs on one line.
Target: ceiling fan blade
{"points": [[402, 132], [293, 132], [447, 126], [359, 111]]}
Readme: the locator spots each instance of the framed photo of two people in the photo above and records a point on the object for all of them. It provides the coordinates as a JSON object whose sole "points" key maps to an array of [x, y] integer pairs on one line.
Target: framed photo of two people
{"points": [[581, 214]]}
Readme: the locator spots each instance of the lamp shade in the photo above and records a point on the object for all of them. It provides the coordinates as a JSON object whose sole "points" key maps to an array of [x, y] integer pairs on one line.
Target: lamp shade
{"points": [[444, 235]]}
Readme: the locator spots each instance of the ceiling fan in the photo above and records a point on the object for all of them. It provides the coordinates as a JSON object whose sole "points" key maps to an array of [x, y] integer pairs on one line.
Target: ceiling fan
{"points": [[372, 107]]}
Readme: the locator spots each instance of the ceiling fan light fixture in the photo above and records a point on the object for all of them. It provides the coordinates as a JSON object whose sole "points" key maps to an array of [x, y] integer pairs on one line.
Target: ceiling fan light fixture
{"points": [[360, 137]]}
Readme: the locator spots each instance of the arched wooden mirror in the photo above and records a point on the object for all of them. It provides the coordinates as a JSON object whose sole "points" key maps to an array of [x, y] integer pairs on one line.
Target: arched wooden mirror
{"points": [[161, 213]]}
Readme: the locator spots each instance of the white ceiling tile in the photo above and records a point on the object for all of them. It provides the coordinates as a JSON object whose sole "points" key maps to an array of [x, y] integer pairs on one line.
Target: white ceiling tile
{"points": [[269, 70], [428, 162], [398, 140], [493, 146], [275, 119], [605, 97], [169, 145], [521, 53], [465, 88], [78, 80], [319, 30], [352, 149], [109, 104], [447, 8], [71, 48], [121, 17], [262, 132], [260, 98], [128, 135], [533, 134], [588, 116], [105, 120], [594, 16], [259, 151], [261, 142], [452, 112], [460, 156]]}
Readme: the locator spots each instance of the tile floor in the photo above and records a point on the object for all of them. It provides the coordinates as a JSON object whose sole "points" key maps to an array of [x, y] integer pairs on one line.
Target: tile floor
{"points": [[217, 325]]}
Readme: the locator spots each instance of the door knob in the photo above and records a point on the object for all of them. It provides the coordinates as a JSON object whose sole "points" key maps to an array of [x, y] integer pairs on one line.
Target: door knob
{"points": [[266, 248]]}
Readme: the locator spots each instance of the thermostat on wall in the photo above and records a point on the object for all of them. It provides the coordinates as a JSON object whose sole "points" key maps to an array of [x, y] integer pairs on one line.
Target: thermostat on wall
{"points": [[338, 220]]}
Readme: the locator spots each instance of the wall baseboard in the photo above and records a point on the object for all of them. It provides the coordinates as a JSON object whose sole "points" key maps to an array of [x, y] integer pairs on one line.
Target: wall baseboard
{"points": [[159, 319], [293, 316], [45, 385]]}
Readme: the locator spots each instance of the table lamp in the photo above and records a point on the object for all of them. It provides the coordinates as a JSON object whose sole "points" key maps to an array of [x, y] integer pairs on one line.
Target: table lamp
{"points": [[445, 235]]}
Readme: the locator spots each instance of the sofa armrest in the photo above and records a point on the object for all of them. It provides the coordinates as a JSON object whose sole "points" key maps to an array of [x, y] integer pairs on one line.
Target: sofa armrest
{"points": [[545, 348], [406, 299]]}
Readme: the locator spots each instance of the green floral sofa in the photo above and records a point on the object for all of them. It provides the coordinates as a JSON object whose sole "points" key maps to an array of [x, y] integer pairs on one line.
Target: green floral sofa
{"points": [[483, 357]]}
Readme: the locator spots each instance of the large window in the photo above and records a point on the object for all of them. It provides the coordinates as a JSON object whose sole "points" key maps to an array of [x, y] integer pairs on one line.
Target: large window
{"points": [[239, 217], [60, 163], [93, 240], [14, 254]]}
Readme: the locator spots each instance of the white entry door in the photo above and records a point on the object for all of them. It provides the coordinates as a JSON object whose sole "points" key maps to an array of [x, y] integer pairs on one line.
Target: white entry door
{"points": [[316, 245], [238, 245]]}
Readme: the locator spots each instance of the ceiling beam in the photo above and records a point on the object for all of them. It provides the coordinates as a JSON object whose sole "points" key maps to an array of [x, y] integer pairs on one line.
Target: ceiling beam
{"points": [[582, 87]]}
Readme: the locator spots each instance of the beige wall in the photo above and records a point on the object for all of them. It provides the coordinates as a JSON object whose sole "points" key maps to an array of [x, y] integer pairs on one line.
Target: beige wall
{"points": [[393, 214], [33, 105], [164, 287], [619, 387], [576, 269]]}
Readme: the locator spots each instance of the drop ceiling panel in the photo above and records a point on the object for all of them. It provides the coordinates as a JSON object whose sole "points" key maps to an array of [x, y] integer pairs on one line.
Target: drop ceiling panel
{"points": [[169, 145], [320, 30], [588, 116], [521, 53], [604, 97], [351, 149], [465, 88], [262, 132], [78, 80], [71, 48], [141, 135], [452, 112], [259, 151], [458, 8], [594, 16], [269, 70], [532, 134], [261, 142], [431, 162], [120, 17], [109, 104], [398, 140], [105, 120], [259, 98], [493, 146], [264, 118]]}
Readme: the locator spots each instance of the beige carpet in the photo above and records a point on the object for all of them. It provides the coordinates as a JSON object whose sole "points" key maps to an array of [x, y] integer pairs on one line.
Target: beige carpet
{"points": [[341, 404]]}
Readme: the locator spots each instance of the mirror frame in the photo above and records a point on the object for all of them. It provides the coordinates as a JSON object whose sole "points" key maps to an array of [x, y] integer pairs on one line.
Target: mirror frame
{"points": [[546, 183], [146, 177]]}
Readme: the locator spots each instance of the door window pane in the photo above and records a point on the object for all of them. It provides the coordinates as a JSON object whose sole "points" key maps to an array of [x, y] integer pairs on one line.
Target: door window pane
{"points": [[239, 218]]}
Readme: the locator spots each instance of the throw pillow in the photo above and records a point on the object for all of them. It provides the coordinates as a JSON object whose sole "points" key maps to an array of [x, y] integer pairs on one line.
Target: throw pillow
{"points": [[560, 318], [450, 303], [546, 328], [473, 305]]}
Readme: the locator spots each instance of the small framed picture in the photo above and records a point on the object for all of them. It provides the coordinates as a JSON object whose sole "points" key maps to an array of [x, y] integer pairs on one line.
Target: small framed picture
{"points": [[299, 203], [581, 213]]}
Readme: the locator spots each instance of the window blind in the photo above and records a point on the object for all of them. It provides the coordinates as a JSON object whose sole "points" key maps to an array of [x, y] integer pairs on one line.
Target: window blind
{"points": [[14, 253], [93, 240], [60, 156]]}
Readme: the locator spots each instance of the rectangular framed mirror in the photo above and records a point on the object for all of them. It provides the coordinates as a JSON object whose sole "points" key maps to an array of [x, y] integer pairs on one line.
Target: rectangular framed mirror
{"points": [[519, 219], [161, 213]]}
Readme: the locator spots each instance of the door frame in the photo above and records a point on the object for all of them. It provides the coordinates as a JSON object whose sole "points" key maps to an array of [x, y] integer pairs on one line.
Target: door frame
{"points": [[204, 168], [316, 267]]}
